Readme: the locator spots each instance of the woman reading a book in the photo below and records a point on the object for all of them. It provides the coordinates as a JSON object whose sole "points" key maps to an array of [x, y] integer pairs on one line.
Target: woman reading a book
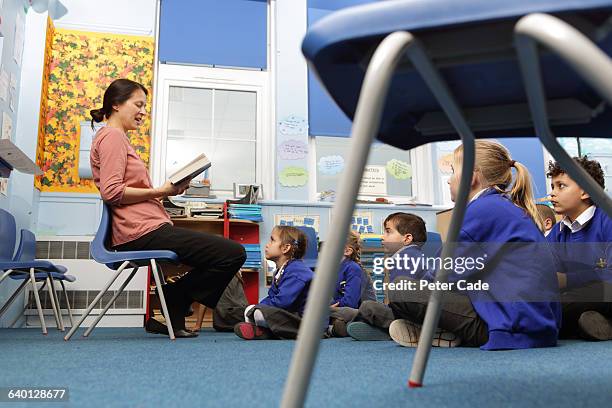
{"points": [[139, 221]]}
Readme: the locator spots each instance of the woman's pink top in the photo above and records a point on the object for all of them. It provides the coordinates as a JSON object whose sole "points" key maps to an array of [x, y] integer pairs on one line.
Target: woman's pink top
{"points": [[115, 166]]}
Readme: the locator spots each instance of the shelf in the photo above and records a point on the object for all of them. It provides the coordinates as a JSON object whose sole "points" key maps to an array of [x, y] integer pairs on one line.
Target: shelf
{"points": [[212, 221]]}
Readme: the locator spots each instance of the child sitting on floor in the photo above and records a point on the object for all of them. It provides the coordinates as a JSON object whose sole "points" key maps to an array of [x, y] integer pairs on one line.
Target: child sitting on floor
{"points": [[354, 286], [582, 242], [404, 235], [519, 306], [547, 215], [279, 314]]}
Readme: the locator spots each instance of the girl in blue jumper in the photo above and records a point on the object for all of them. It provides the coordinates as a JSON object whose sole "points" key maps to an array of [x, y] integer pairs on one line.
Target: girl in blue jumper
{"points": [[501, 227], [278, 315], [354, 286]]}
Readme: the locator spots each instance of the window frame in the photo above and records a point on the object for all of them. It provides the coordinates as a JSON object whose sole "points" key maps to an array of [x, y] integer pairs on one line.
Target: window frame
{"points": [[422, 175], [203, 77]]}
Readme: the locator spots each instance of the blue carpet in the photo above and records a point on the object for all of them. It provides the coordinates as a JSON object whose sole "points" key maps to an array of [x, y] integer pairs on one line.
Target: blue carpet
{"points": [[126, 367]]}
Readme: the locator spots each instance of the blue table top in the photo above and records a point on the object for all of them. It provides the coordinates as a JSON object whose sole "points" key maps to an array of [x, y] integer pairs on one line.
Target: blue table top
{"points": [[471, 43]]}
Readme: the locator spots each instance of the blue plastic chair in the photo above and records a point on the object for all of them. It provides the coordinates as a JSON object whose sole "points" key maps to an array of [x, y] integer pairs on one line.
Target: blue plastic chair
{"points": [[26, 251], [432, 245], [312, 251], [418, 71], [119, 261], [24, 267]]}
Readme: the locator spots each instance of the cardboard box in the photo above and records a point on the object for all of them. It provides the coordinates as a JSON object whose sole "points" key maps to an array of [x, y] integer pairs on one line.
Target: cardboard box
{"points": [[443, 219]]}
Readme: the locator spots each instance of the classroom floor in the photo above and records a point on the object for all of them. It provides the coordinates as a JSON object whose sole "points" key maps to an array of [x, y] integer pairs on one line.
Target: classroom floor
{"points": [[127, 367]]}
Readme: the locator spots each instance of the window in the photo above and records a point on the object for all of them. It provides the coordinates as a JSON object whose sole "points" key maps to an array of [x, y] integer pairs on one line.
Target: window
{"points": [[219, 112], [390, 172], [596, 148], [221, 123], [444, 160]]}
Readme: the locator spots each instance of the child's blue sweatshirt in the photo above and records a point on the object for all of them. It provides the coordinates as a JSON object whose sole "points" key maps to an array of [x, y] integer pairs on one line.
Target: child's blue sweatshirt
{"points": [[290, 291], [585, 255], [349, 284], [517, 266]]}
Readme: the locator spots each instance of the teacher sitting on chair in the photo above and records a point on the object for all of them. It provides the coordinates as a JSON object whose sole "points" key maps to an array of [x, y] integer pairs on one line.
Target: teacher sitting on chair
{"points": [[139, 221]]}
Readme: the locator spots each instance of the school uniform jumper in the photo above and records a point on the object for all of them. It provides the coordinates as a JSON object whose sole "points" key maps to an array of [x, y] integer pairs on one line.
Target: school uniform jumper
{"points": [[350, 285], [520, 308], [585, 256], [283, 307], [353, 287]]}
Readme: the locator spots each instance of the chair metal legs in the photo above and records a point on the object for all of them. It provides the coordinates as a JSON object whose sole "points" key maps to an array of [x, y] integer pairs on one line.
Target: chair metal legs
{"points": [[162, 298], [74, 328], [54, 305], [110, 302], [53, 298], [28, 304], [365, 126], [38, 305], [592, 64], [445, 98], [5, 274], [67, 303], [96, 301], [367, 121], [14, 296]]}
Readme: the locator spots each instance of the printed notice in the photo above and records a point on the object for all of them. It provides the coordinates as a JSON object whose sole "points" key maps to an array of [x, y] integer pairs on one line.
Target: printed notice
{"points": [[374, 181]]}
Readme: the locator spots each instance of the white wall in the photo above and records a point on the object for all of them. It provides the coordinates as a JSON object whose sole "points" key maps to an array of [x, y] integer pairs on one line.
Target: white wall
{"points": [[291, 86], [23, 197], [136, 17], [132, 17]]}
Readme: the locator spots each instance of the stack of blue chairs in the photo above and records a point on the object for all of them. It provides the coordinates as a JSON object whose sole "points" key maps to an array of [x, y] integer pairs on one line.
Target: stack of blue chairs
{"points": [[25, 267]]}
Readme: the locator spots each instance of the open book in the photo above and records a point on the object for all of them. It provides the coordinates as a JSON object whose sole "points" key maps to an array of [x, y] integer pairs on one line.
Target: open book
{"points": [[190, 170]]}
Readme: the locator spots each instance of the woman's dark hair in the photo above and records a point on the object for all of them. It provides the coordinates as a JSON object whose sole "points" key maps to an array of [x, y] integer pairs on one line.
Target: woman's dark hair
{"points": [[119, 91]]}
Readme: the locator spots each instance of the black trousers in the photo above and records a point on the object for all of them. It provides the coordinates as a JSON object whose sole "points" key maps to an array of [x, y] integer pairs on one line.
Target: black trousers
{"points": [[576, 301], [214, 259], [282, 323]]}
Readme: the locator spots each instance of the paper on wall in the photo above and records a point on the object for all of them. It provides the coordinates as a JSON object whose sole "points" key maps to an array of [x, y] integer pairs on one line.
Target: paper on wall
{"points": [[331, 165], [4, 85], [298, 220], [361, 222], [293, 125], [399, 169], [4, 186], [374, 181], [7, 126], [292, 150], [19, 38], [13, 92], [293, 176]]}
